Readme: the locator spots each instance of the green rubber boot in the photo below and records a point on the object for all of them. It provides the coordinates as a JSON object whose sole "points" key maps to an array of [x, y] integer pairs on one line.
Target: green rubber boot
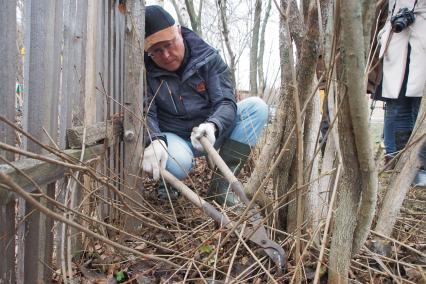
{"points": [[235, 155], [163, 192]]}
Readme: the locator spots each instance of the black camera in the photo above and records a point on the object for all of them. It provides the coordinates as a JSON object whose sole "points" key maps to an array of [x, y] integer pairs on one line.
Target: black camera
{"points": [[402, 19]]}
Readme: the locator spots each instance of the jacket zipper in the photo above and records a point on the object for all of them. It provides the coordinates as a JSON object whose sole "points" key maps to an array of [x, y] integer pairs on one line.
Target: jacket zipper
{"points": [[171, 98]]}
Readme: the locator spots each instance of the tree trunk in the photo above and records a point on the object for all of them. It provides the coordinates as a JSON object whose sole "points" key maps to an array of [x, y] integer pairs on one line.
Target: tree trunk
{"points": [[403, 175], [311, 163], [286, 107], [368, 18], [348, 198], [297, 25], [255, 47], [262, 80], [194, 18], [181, 21], [306, 68], [359, 180], [225, 33], [354, 59], [331, 156]]}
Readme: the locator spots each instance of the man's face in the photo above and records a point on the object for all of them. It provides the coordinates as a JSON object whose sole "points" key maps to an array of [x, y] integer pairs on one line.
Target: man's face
{"points": [[168, 54]]}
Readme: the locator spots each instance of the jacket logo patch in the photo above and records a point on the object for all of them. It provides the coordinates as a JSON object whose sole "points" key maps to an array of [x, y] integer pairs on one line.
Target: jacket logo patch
{"points": [[201, 87]]}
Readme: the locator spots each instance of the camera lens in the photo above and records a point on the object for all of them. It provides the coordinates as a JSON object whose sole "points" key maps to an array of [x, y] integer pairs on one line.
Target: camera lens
{"points": [[402, 19], [398, 27]]}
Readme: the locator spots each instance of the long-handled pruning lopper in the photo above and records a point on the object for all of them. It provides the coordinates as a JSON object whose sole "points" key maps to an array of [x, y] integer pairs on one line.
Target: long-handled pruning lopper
{"points": [[255, 231]]}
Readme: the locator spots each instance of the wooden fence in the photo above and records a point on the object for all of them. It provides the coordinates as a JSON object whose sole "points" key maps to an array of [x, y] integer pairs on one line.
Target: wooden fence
{"points": [[82, 65]]}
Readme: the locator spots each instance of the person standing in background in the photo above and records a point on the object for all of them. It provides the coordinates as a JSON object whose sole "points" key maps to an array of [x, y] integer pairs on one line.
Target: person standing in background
{"points": [[403, 50]]}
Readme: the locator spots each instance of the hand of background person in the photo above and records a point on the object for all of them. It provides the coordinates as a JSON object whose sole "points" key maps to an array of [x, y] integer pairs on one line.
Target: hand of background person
{"points": [[204, 129], [155, 158]]}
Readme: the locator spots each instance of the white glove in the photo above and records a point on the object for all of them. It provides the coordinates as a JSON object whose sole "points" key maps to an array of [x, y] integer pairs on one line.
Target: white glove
{"points": [[204, 129], [155, 158]]}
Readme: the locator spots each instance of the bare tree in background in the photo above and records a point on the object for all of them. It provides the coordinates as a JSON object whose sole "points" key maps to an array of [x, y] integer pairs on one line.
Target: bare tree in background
{"points": [[195, 17], [225, 34], [179, 11], [262, 79], [255, 47]]}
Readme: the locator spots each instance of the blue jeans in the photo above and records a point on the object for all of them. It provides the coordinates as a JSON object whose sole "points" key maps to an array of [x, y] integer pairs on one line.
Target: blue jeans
{"points": [[252, 114], [400, 117]]}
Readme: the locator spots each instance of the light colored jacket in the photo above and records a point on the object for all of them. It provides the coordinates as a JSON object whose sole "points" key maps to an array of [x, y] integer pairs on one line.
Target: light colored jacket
{"points": [[394, 48]]}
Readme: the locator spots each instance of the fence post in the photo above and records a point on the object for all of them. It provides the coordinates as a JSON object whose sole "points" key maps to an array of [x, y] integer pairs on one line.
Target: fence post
{"points": [[40, 109], [8, 74], [133, 100]]}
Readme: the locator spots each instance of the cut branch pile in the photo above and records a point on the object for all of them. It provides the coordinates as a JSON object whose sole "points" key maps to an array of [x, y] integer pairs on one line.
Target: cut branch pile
{"points": [[176, 242]]}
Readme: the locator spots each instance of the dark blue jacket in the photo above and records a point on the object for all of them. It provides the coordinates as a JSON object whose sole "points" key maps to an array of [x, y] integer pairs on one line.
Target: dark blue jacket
{"points": [[203, 93]]}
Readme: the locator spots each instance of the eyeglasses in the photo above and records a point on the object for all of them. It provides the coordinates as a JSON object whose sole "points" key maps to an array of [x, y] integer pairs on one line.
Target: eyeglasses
{"points": [[160, 51]]}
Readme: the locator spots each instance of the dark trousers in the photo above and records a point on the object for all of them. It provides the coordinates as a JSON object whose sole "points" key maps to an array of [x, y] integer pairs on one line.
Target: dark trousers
{"points": [[400, 117]]}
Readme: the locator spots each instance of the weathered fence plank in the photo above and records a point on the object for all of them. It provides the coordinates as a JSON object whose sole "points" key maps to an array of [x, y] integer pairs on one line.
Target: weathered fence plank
{"points": [[44, 172], [40, 116], [78, 94], [110, 106], [67, 72], [78, 61], [117, 40], [94, 134], [68, 44], [90, 72], [8, 73], [100, 62], [7, 254], [50, 188]]}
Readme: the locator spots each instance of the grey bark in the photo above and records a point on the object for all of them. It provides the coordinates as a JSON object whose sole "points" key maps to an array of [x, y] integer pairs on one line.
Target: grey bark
{"points": [[313, 201], [178, 13], [282, 181], [286, 106], [276, 135], [297, 26], [306, 67], [354, 59], [348, 199], [403, 175], [194, 17], [357, 198], [254, 47], [329, 157], [368, 13], [262, 80], [225, 33]]}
